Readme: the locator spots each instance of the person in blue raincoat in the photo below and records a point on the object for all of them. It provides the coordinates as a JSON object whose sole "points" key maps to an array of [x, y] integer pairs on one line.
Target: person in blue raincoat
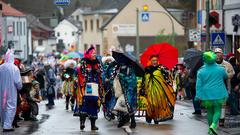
{"points": [[211, 89], [10, 83]]}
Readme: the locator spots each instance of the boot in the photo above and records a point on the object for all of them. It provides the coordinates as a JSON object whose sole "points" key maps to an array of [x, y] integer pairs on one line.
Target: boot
{"points": [[93, 126], [14, 124], [213, 128], [66, 106], [82, 122], [121, 120], [133, 122]]}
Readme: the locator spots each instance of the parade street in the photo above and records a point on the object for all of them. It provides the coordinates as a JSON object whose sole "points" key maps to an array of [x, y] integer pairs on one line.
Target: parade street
{"points": [[58, 121]]}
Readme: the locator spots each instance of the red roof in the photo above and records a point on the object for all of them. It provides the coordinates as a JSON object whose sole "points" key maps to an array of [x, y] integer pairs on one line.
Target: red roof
{"points": [[10, 11]]}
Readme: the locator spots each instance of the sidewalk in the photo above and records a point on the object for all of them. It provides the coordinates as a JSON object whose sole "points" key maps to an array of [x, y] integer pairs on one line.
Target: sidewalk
{"points": [[232, 123]]}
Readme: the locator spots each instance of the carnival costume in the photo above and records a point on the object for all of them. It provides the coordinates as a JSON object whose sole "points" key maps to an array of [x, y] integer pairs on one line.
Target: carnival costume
{"points": [[89, 79], [158, 89]]}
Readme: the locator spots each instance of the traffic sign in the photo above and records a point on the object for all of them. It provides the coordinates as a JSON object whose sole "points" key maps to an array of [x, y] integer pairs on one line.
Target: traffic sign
{"points": [[145, 16], [62, 2], [218, 39]]}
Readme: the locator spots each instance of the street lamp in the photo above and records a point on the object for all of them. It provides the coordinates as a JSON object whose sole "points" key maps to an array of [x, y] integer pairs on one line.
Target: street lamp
{"points": [[137, 29]]}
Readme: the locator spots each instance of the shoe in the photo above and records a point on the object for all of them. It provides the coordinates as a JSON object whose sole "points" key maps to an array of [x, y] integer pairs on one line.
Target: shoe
{"points": [[210, 132], [213, 128], [82, 126], [15, 125], [93, 124], [8, 130], [133, 125], [34, 119], [148, 120], [156, 122], [76, 114], [197, 113], [82, 122]]}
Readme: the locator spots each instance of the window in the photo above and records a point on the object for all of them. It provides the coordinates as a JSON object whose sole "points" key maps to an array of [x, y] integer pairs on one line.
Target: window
{"points": [[24, 28], [77, 17], [40, 42], [20, 28], [17, 29], [85, 24], [85, 46], [98, 24], [91, 25], [213, 4], [98, 49], [73, 33], [13, 28], [58, 34]]}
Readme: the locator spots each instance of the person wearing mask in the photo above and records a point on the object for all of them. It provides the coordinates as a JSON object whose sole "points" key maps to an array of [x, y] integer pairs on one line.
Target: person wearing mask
{"points": [[230, 71], [90, 82], [211, 89], [11, 82], [157, 87]]}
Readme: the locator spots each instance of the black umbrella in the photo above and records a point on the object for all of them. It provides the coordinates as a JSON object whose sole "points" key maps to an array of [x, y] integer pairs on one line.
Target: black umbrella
{"points": [[193, 59], [124, 58]]}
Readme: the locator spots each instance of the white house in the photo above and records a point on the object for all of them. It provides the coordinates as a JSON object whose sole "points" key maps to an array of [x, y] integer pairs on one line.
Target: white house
{"points": [[14, 30], [40, 37], [68, 32]]}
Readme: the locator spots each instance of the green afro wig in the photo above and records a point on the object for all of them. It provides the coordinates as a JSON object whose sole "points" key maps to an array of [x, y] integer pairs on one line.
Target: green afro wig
{"points": [[209, 57]]}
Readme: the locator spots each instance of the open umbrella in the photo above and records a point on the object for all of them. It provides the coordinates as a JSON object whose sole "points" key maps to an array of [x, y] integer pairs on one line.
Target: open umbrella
{"points": [[74, 55], [123, 58], [193, 59], [167, 55]]}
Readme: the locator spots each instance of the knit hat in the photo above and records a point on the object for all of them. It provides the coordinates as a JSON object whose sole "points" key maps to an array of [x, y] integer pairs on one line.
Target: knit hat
{"points": [[209, 57]]}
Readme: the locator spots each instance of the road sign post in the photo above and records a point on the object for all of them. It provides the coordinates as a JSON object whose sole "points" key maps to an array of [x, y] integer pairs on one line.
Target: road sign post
{"points": [[218, 39], [145, 16]]}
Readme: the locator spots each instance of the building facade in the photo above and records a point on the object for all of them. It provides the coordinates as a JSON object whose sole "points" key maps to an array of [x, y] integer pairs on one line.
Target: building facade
{"points": [[120, 31], [69, 32], [232, 23], [14, 31], [92, 22]]}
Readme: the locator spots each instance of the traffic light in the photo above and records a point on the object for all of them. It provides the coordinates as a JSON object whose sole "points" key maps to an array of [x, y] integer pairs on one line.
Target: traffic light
{"points": [[214, 19]]}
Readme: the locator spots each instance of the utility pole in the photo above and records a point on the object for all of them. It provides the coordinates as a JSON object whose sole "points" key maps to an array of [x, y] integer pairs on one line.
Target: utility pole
{"points": [[137, 33], [207, 26]]}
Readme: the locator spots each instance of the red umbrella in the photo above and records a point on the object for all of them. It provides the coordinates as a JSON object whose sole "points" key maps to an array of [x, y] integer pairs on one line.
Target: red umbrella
{"points": [[167, 55]]}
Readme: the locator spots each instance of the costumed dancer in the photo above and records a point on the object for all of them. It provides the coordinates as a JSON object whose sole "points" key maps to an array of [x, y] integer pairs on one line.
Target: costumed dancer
{"points": [[69, 84], [68, 90], [125, 92], [110, 99], [90, 81], [10, 83], [211, 89], [157, 86]]}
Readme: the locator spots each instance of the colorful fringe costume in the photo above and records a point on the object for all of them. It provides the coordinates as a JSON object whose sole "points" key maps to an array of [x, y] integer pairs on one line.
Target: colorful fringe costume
{"points": [[158, 86]]}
